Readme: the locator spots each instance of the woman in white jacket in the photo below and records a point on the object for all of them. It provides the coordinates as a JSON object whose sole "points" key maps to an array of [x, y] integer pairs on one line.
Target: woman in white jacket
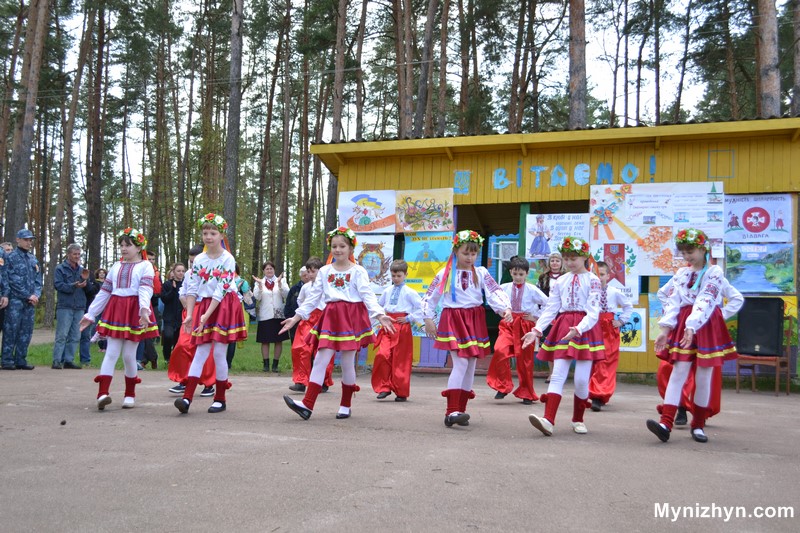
{"points": [[270, 293]]}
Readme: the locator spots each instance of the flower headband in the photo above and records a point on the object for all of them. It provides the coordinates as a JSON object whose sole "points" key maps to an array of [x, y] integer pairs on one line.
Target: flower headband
{"points": [[574, 245], [692, 237], [467, 236], [136, 237], [347, 233], [215, 219]]}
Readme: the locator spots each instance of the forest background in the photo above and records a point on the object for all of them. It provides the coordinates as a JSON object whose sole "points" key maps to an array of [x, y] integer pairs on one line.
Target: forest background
{"points": [[149, 113]]}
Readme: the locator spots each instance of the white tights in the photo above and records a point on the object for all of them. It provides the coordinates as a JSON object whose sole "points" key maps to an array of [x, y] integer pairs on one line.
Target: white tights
{"points": [[323, 358], [702, 383], [114, 348], [220, 361], [583, 370], [463, 374]]}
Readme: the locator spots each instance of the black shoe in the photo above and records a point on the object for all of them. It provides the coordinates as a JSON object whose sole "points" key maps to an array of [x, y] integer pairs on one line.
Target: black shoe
{"points": [[304, 412], [178, 389], [596, 405], [658, 430], [527, 402], [214, 409], [275, 366], [266, 366], [699, 436], [499, 395], [298, 387], [207, 391], [680, 417], [183, 405], [341, 416], [324, 388], [462, 419], [56, 366], [7, 368], [70, 364], [400, 399], [24, 367], [382, 395]]}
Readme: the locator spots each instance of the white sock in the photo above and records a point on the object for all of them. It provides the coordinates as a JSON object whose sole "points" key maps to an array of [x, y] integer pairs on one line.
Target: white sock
{"points": [[216, 404], [344, 410]]}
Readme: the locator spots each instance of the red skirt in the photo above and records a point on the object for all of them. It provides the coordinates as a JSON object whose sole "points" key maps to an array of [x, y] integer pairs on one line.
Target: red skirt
{"points": [[226, 324], [343, 326], [463, 331], [120, 320], [181, 359], [711, 345], [587, 346]]}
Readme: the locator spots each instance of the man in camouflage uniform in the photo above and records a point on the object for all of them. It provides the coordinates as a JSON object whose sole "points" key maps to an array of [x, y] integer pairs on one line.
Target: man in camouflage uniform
{"points": [[22, 285]]}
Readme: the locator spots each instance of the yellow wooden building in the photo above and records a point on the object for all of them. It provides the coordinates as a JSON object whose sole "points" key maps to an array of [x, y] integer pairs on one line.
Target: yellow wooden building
{"points": [[498, 179]]}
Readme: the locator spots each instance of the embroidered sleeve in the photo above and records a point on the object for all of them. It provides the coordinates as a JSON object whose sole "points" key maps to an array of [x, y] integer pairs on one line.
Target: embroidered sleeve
{"points": [[551, 309], [672, 304], [496, 296], [431, 298], [224, 274], [192, 282], [314, 294], [364, 289], [734, 297], [145, 290]]}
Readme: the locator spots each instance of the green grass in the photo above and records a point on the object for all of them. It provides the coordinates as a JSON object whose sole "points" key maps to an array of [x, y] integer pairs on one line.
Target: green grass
{"points": [[247, 360]]}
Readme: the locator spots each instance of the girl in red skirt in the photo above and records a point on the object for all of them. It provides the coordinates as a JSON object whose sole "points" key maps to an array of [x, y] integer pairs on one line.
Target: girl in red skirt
{"points": [[731, 300], [573, 309], [214, 313], [462, 327], [127, 316], [692, 331], [344, 324]]}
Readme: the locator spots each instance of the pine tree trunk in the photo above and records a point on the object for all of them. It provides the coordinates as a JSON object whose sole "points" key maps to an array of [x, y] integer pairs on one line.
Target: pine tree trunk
{"points": [[577, 65], [5, 106], [427, 54], [441, 121], [234, 117], [767, 59], [20, 166]]}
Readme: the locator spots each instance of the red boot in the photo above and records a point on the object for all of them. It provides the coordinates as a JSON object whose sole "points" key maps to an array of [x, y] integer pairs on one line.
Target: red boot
{"points": [[103, 398], [347, 398], [182, 404], [699, 415], [130, 392], [219, 397], [453, 414]]}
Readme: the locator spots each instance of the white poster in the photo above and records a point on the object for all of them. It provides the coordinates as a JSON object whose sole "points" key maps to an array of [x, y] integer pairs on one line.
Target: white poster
{"points": [[544, 233], [642, 219], [368, 211], [758, 218]]}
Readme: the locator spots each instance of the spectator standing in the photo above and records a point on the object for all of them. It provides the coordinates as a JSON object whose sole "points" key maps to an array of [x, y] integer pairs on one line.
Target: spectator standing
{"points": [[91, 290], [23, 288], [146, 353], [171, 317], [70, 281], [270, 293]]}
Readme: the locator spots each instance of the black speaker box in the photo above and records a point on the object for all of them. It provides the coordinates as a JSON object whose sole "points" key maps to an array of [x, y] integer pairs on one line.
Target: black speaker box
{"points": [[760, 327]]}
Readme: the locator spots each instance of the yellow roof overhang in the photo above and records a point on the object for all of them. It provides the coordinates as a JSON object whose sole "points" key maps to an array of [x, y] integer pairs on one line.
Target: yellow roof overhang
{"points": [[336, 155]]}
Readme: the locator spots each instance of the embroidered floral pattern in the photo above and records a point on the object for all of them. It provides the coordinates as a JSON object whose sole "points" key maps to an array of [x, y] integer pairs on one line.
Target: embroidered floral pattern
{"points": [[339, 281], [215, 274]]}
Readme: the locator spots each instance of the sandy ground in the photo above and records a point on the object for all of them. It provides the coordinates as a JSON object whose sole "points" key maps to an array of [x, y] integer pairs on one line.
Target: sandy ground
{"points": [[393, 466]]}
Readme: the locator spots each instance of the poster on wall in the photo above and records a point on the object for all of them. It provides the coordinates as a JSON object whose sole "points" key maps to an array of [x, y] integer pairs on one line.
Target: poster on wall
{"points": [[375, 253], [656, 311], [426, 254], [760, 268], [623, 265], [758, 218], [367, 211], [424, 210], [644, 218], [543, 233], [633, 334]]}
